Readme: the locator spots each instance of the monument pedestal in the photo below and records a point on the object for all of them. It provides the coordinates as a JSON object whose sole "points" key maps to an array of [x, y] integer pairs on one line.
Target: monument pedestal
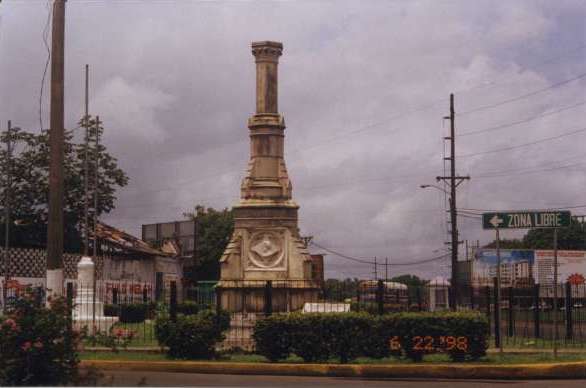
{"points": [[88, 310], [265, 245]]}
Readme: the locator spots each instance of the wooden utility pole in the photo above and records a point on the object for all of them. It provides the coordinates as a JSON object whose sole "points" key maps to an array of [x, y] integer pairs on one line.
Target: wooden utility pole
{"points": [[96, 188], [86, 125], [7, 211], [56, 143], [453, 181], [96, 202]]}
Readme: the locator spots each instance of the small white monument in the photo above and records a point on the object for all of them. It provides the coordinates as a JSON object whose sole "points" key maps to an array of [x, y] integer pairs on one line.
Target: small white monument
{"points": [[88, 310], [439, 294]]}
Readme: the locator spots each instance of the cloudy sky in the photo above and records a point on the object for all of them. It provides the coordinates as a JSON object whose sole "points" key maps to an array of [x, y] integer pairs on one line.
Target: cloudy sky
{"points": [[363, 89]]}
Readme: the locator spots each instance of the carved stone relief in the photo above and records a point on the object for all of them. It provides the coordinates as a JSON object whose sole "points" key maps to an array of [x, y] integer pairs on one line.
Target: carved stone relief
{"points": [[267, 250]]}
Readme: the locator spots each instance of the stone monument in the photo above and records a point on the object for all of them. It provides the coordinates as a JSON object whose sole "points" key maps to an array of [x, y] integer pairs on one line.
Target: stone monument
{"points": [[266, 245], [88, 309]]}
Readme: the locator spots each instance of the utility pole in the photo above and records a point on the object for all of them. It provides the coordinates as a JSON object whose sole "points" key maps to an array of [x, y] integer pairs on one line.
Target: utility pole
{"points": [[96, 202], [375, 270], [7, 211], [96, 188], [453, 181], [56, 143], [386, 269], [86, 166]]}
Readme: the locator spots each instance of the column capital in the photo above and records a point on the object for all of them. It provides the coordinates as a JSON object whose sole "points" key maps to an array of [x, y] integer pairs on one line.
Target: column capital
{"points": [[267, 51]]}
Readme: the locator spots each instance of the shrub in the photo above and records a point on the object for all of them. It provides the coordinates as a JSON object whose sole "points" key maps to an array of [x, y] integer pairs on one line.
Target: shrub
{"points": [[188, 308], [111, 310], [463, 335], [192, 336], [271, 337], [133, 313], [313, 337], [346, 336], [318, 337], [307, 336], [37, 344]]}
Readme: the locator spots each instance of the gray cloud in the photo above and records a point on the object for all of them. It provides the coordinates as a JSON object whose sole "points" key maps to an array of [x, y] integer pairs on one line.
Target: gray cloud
{"points": [[363, 88]]}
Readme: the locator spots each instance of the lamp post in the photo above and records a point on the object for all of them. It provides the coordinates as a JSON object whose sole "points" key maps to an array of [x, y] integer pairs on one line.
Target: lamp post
{"points": [[454, 243]]}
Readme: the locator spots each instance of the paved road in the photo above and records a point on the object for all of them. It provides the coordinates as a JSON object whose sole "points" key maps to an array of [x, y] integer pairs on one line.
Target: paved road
{"points": [[111, 378]]}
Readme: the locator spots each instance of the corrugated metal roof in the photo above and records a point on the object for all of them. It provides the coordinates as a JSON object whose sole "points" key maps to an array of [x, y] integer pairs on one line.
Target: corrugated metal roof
{"points": [[127, 241]]}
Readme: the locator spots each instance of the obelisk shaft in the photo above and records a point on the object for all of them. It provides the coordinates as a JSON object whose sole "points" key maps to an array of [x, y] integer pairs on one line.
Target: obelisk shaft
{"points": [[266, 178], [267, 60]]}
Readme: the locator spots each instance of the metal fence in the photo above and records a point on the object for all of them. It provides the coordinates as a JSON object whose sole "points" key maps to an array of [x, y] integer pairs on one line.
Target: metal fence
{"points": [[124, 313], [525, 316]]}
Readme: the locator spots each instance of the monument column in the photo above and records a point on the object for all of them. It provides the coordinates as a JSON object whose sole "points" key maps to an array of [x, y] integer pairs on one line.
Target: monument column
{"points": [[267, 60], [267, 177], [265, 244]]}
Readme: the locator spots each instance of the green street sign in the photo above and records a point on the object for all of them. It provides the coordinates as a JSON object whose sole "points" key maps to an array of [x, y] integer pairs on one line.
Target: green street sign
{"points": [[526, 219]]}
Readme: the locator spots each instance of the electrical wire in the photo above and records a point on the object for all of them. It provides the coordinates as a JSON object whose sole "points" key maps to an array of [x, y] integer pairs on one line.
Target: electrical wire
{"points": [[543, 209], [511, 124], [530, 171], [523, 96], [524, 144], [363, 261], [45, 41]]}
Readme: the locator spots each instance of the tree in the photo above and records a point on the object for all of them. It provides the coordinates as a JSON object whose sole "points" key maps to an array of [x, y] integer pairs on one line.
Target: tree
{"points": [[30, 186], [507, 244], [214, 229], [570, 238], [412, 282], [339, 290]]}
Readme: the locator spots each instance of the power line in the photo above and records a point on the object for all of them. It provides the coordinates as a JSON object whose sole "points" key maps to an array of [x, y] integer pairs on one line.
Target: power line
{"points": [[356, 259], [553, 59], [532, 171], [524, 144], [502, 126], [360, 260], [45, 37], [543, 209], [523, 96], [544, 164]]}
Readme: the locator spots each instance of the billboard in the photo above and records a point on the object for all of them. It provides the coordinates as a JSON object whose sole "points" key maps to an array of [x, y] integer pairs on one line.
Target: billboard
{"points": [[571, 266], [521, 267], [516, 267]]}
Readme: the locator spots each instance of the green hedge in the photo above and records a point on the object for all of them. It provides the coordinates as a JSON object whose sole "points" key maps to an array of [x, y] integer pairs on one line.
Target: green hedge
{"points": [[345, 336], [190, 308], [192, 336]]}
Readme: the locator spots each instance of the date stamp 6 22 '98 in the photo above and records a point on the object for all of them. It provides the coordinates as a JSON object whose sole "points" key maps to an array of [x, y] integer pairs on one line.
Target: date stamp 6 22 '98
{"points": [[430, 344]]}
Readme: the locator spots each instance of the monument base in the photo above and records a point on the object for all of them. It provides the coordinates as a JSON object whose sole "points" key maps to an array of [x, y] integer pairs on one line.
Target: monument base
{"points": [[88, 312], [247, 301]]}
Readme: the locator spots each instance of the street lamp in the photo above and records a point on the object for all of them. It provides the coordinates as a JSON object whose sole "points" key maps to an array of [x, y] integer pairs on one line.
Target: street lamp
{"points": [[435, 187], [454, 242]]}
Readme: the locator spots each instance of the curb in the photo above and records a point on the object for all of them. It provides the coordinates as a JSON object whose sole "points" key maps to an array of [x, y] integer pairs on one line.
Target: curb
{"points": [[570, 370]]}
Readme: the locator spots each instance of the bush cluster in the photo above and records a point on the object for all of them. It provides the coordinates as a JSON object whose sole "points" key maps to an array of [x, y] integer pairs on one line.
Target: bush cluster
{"points": [[37, 344], [132, 312], [346, 336], [189, 308], [192, 336]]}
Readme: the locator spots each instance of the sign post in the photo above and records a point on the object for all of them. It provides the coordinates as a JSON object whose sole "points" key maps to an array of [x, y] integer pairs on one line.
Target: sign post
{"points": [[555, 292], [527, 219], [497, 315]]}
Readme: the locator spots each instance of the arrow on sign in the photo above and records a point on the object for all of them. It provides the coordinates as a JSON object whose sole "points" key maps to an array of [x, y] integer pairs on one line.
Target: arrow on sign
{"points": [[496, 221]]}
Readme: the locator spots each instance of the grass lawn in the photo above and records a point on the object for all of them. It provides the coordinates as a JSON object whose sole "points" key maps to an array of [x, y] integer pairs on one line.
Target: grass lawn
{"points": [[145, 333], [429, 359], [539, 343]]}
